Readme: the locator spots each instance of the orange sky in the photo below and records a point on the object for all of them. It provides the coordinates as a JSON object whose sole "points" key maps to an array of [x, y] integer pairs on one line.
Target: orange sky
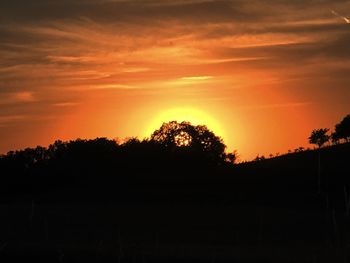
{"points": [[261, 74]]}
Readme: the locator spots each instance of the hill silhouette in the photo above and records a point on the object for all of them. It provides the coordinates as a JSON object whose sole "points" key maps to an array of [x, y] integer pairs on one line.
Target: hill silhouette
{"points": [[162, 200]]}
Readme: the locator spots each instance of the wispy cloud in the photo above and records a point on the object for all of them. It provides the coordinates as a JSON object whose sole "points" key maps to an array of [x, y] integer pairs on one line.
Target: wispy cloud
{"points": [[10, 119], [65, 104], [197, 78], [17, 97], [114, 86], [24, 96], [347, 20], [277, 105], [61, 56]]}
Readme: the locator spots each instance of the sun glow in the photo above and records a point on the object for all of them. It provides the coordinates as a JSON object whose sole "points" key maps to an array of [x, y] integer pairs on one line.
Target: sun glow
{"points": [[192, 115], [183, 139]]}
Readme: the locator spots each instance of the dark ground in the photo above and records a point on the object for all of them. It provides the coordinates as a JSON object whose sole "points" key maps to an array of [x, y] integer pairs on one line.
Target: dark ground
{"points": [[276, 210]]}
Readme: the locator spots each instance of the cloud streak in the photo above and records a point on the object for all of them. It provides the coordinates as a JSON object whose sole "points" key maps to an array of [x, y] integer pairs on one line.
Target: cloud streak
{"points": [[64, 58], [347, 20]]}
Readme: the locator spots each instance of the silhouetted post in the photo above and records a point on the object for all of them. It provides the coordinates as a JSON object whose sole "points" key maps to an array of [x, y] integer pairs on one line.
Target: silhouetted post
{"points": [[261, 224], [32, 211], [319, 171], [319, 137], [31, 217], [46, 227], [213, 256], [335, 227], [60, 255], [2, 246], [156, 244], [347, 201], [120, 254], [98, 248]]}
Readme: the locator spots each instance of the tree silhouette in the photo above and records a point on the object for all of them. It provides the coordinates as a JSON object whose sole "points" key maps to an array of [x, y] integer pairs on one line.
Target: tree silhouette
{"points": [[195, 139], [319, 137], [342, 129], [190, 151], [335, 138], [231, 157], [259, 158]]}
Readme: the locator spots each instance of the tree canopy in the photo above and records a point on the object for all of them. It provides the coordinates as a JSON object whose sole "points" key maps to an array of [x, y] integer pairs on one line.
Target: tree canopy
{"points": [[342, 129], [340, 134], [196, 139], [319, 137]]}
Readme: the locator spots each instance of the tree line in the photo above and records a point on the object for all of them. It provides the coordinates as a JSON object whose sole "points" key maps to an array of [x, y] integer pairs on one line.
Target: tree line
{"points": [[172, 138], [340, 134], [175, 148], [319, 137]]}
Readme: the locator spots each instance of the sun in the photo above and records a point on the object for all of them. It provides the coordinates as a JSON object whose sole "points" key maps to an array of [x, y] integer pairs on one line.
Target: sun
{"points": [[183, 139], [192, 115]]}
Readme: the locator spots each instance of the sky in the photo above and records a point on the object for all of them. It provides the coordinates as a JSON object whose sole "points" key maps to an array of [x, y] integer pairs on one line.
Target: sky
{"points": [[259, 73]]}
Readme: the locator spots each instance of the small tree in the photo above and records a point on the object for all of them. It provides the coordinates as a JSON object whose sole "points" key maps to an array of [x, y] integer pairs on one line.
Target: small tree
{"points": [[231, 157], [259, 158], [319, 137]]}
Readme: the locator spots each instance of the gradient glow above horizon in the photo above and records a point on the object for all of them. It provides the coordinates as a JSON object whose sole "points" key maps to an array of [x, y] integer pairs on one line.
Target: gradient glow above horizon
{"points": [[262, 74]]}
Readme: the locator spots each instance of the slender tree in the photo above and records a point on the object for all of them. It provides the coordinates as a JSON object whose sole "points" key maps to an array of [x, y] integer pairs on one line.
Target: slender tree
{"points": [[319, 137]]}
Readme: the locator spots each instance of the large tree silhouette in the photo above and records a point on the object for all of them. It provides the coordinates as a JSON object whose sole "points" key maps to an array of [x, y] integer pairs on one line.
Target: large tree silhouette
{"points": [[195, 139]]}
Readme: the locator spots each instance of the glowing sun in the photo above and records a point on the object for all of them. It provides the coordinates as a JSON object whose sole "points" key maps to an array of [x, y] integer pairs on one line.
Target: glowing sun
{"points": [[192, 115]]}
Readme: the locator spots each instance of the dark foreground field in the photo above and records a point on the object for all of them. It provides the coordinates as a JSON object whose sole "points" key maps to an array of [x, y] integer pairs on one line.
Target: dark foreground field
{"points": [[286, 209]]}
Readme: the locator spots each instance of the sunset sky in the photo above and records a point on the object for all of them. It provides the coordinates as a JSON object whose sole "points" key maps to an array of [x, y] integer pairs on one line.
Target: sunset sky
{"points": [[262, 74]]}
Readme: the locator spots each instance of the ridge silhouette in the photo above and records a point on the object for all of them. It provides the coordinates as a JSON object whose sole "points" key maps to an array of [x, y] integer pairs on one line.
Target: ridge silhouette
{"points": [[175, 197]]}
